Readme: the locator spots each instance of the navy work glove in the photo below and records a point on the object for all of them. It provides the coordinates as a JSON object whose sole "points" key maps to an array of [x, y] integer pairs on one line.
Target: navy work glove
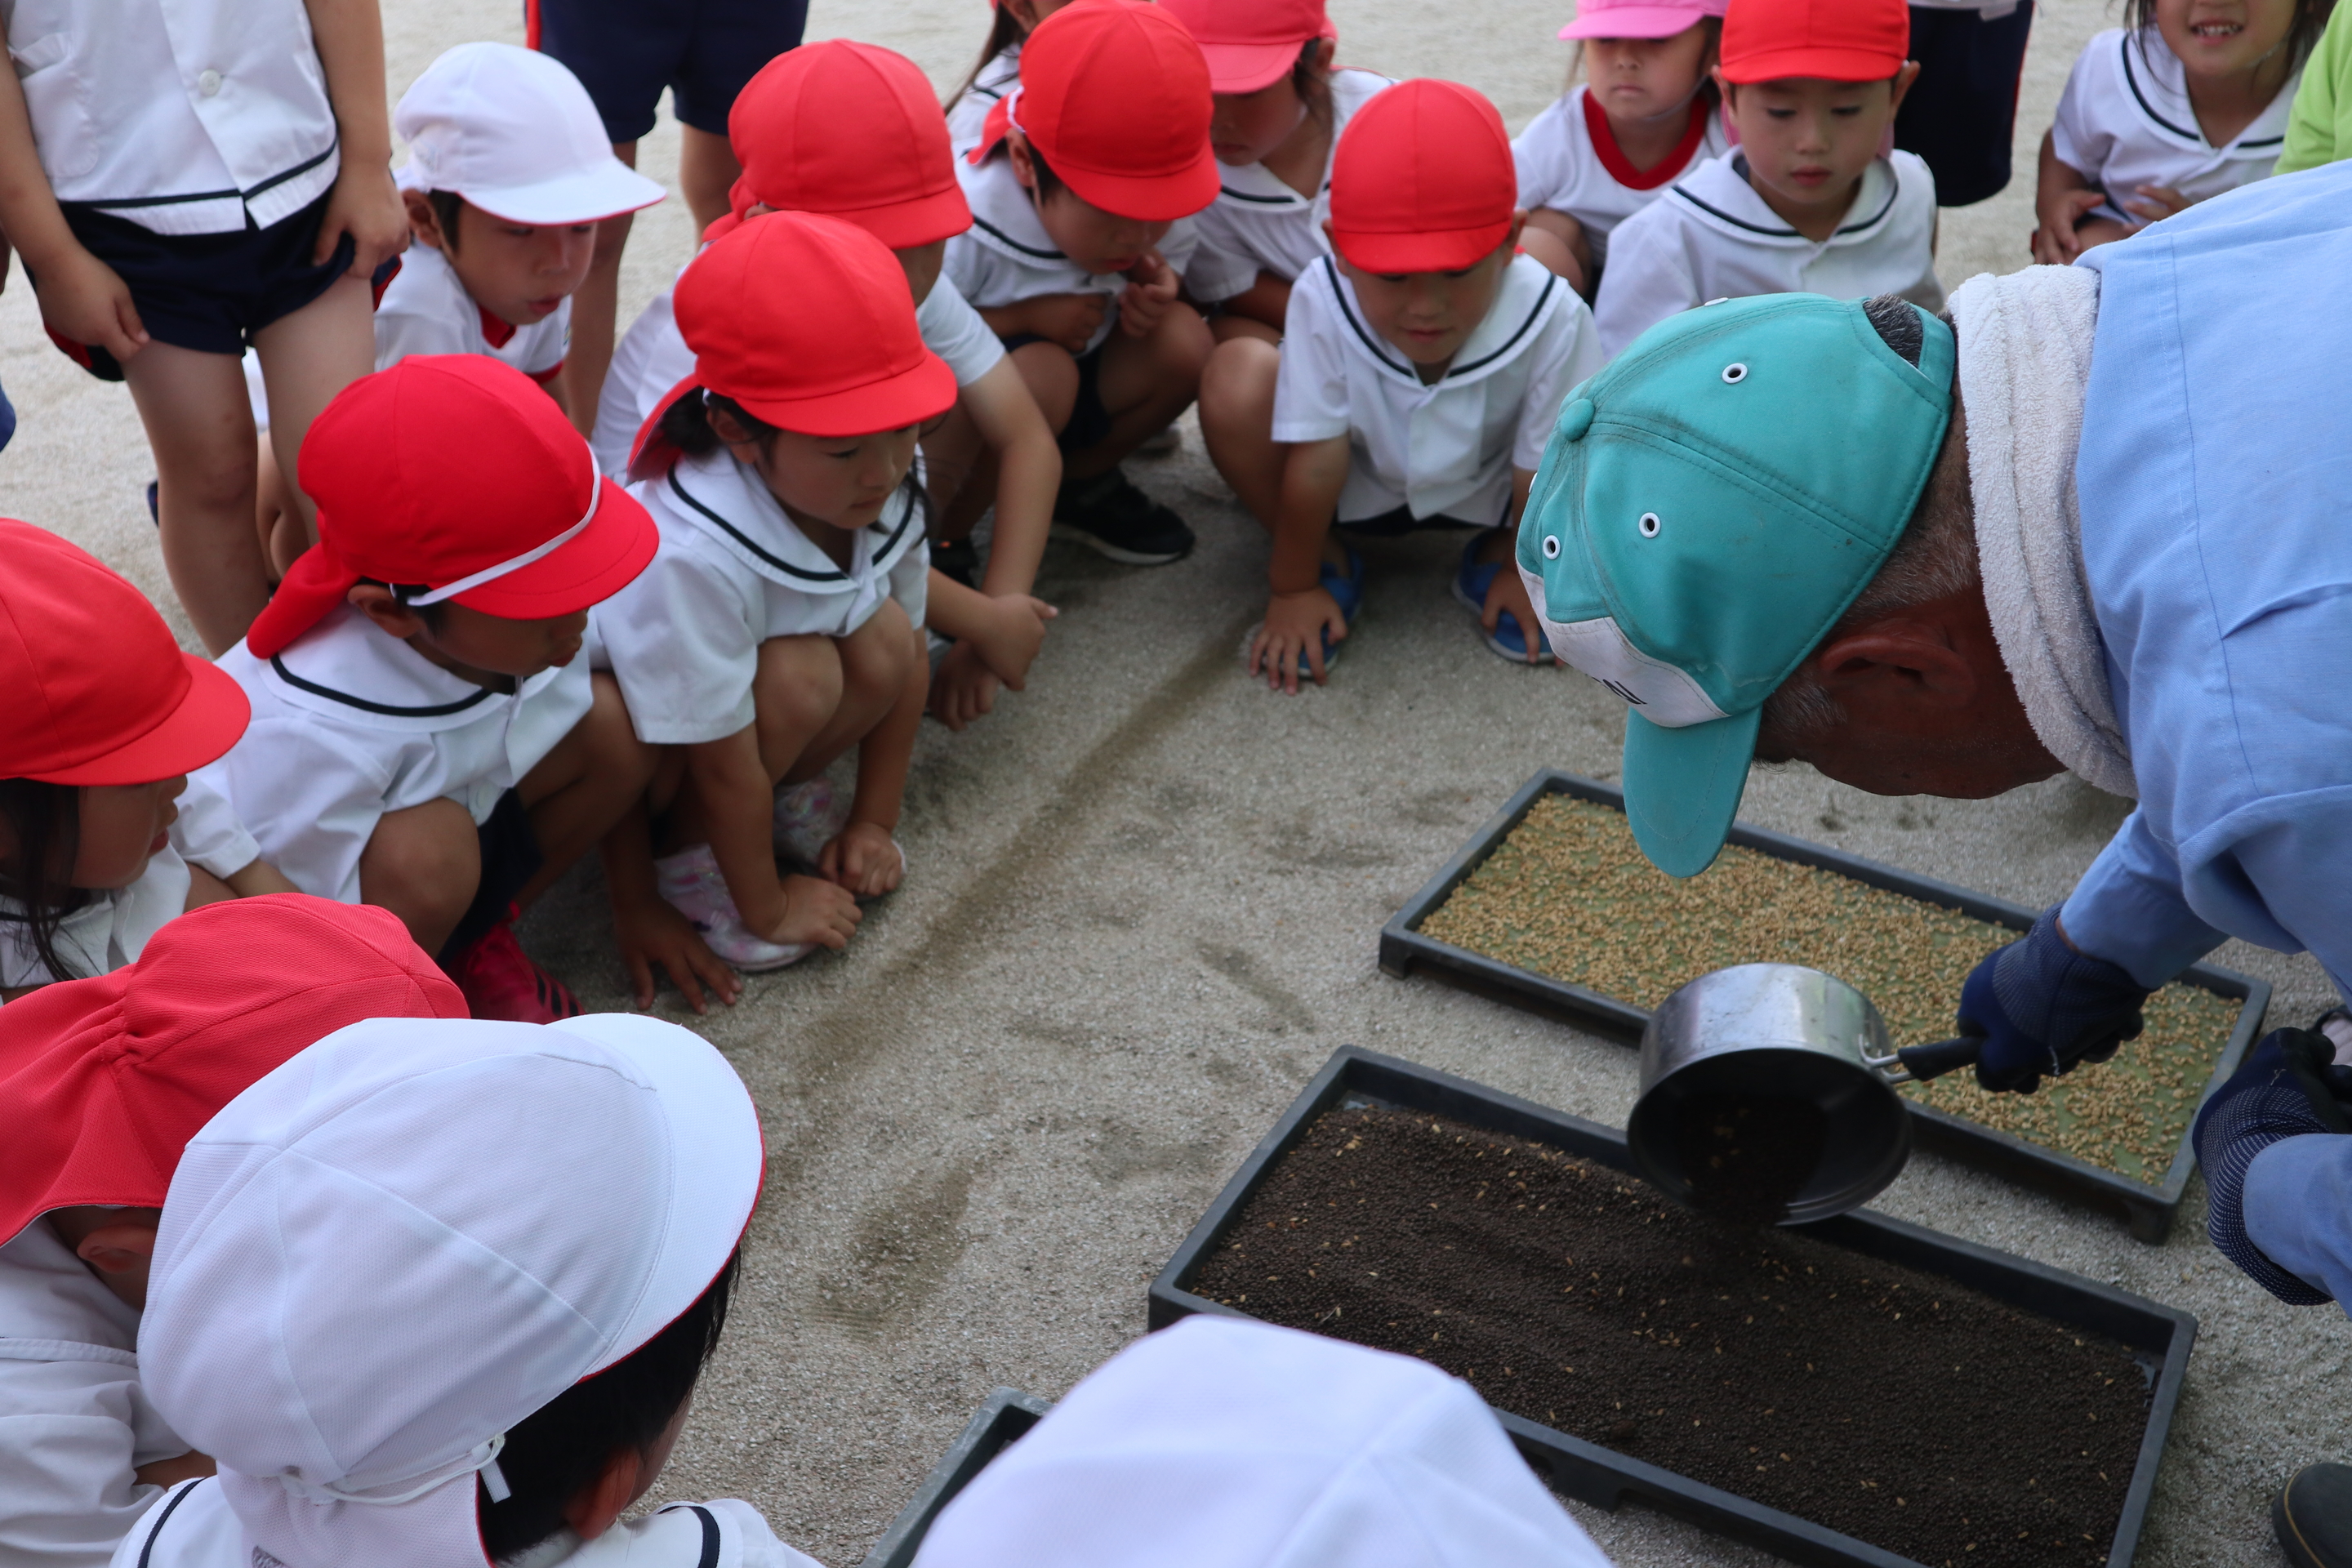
{"points": [[2041, 1007], [2283, 1090]]}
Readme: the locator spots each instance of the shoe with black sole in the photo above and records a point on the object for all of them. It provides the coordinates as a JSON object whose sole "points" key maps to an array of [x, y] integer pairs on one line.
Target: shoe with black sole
{"points": [[2311, 1516], [1109, 514], [957, 559]]}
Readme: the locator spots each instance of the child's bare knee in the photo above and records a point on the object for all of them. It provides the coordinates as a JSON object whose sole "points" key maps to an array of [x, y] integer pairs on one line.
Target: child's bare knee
{"points": [[1237, 382], [1182, 343], [1052, 376], [799, 684], [877, 656], [424, 864]]}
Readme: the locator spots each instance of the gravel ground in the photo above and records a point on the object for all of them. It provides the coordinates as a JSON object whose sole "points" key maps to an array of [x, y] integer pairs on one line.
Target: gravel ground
{"points": [[1143, 911]]}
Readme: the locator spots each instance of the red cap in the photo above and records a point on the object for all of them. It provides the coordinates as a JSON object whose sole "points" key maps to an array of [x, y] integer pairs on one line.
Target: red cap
{"points": [[835, 351], [1423, 180], [93, 689], [1251, 43], [1115, 96], [457, 472], [852, 129], [1830, 40], [107, 1080]]}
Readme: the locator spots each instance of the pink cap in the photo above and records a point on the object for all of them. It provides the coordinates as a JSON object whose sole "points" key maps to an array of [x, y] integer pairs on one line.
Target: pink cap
{"points": [[1638, 18]]}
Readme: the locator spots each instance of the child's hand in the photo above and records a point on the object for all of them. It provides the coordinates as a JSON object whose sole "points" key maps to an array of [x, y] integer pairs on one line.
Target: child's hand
{"points": [[1509, 592], [1295, 623], [2054, 243], [1150, 289], [817, 911], [649, 932], [366, 205], [864, 860], [2152, 204], [962, 688], [1070, 321], [1015, 631], [83, 300]]}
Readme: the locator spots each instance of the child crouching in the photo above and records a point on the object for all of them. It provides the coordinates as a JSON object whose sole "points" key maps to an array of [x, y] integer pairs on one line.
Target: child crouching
{"points": [[779, 627]]}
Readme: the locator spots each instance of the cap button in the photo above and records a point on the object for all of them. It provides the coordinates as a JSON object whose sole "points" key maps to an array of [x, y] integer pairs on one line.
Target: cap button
{"points": [[1576, 419]]}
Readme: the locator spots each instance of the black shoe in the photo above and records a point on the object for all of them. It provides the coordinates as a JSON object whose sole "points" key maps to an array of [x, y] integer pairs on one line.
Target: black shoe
{"points": [[2311, 1516], [956, 559], [1109, 514], [154, 510]]}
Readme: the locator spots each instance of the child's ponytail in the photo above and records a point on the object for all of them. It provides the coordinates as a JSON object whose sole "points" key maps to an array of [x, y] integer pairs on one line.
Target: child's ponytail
{"points": [[685, 431], [43, 819]]}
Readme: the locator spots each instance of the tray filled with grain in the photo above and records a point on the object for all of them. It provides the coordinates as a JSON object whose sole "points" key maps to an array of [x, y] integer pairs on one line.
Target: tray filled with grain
{"points": [[1853, 1392], [1551, 906]]}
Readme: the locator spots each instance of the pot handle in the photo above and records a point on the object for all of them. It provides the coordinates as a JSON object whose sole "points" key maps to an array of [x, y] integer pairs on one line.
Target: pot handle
{"points": [[1917, 1064]]}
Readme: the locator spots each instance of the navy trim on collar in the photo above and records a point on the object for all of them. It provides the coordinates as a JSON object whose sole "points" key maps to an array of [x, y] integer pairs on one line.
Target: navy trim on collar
{"points": [[438, 710], [1739, 161], [2131, 81], [982, 223], [147, 1548], [1534, 310], [1261, 201], [881, 551], [1381, 352]]}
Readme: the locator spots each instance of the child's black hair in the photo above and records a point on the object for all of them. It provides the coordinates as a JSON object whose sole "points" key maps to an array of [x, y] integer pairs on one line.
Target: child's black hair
{"points": [[1003, 31], [1310, 78], [2302, 33], [557, 1451], [1049, 184], [686, 424], [45, 821], [446, 206], [401, 593]]}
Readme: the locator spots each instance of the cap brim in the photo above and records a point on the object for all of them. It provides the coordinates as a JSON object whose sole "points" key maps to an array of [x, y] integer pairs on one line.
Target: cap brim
{"points": [[583, 197], [210, 716], [1683, 786], [907, 398], [598, 563], [1445, 250], [902, 225], [1816, 63], [1637, 22], [1247, 67], [1147, 198]]}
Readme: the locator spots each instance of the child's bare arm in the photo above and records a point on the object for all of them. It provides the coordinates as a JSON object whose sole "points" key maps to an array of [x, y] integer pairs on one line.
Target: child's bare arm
{"points": [[864, 858], [738, 806], [1028, 473], [647, 931], [81, 297], [996, 638], [2063, 198], [1507, 591], [1069, 320], [257, 879], [1299, 613], [349, 34], [1266, 300]]}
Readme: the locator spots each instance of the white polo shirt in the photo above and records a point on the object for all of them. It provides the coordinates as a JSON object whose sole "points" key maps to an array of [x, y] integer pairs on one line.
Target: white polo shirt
{"points": [[1712, 237], [967, 115], [1443, 448], [1258, 224], [426, 311], [350, 722], [652, 357], [732, 572], [2124, 121], [182, 116], [1565, 166], [1007, 255], [73, 1421]]}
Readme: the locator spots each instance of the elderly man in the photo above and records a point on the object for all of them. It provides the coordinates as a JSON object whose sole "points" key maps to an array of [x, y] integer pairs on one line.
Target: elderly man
{"points": [[2100, 521]]}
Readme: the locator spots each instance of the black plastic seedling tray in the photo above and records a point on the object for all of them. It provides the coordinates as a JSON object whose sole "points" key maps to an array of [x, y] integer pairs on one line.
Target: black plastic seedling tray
{"points": [[1006, 1416], [2148, 1208], [2158, 1336]]}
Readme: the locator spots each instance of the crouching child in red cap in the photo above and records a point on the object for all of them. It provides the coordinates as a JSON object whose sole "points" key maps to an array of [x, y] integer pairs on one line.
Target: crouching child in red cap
{"points": [[1421, 371], [780, 625], [426, 735], [1079, 190], [102, 1083]]}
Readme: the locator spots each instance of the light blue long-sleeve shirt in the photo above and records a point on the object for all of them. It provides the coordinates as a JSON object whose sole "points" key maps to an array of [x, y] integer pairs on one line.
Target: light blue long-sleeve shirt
{"points": [[2215, 474]]}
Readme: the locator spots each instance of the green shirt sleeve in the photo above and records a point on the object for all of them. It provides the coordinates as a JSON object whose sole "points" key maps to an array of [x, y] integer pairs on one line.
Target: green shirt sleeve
{"points": [[2319, 124]]}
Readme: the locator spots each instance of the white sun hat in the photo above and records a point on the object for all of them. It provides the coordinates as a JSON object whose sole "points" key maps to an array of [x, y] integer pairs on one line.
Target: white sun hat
{"points": [[514, 132], [389, 1251], [1222, 1443]]}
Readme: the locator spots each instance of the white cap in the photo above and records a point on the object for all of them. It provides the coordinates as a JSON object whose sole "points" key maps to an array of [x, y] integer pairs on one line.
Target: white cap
{"points": [[514, 132], [1221, 1443], [386, 1253]]}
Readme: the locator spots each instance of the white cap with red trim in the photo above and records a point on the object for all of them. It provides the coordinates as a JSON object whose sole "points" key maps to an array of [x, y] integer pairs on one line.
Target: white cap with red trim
{"points": [[514, 132]]}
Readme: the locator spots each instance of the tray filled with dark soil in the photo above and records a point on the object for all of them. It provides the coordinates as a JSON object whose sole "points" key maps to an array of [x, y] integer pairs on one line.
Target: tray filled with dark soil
{"points": [[1003, 1419], [1551, 906], [1858, 1391]]}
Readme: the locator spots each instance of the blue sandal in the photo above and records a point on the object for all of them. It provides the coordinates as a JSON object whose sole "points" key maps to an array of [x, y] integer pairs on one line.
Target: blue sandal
{"points": [[1347, 589], [1471, 581]]}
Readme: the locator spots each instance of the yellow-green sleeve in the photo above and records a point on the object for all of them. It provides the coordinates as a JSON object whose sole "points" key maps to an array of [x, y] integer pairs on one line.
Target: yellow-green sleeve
{"points": [[2319, 125]]}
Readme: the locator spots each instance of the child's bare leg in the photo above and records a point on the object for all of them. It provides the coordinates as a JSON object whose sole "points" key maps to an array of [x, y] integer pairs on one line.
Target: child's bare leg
{"points": [[598, 299], [422, 863], [580, 789], [278, 525], [795, 694], [1052, 377], [706, 172], [1237, 422], [1226, 329], [878, 660], [1146, 383], [2091, 231], [952, 460], [306, 359], [200, 428], [1560, 242]]}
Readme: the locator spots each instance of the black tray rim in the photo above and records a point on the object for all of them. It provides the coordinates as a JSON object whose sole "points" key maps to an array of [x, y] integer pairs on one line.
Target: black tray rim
{"points": [[1007, 1414], [2148, 1208], [1603, 1478]]}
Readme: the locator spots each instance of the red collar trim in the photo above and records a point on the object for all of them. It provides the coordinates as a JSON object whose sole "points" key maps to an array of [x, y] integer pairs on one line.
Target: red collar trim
{"points": [[496, 331], [1612, 157]]}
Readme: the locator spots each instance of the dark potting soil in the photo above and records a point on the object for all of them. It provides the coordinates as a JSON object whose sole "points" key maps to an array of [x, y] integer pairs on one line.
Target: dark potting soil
{"points": [[1896, 1407], [1748, 1156]]}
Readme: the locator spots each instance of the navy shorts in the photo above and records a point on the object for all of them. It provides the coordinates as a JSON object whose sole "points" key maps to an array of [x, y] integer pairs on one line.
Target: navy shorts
{"points": [[511, 857], [209, 292], [1090, 419], [626, 51], [1398, 523], [1960, 116]]}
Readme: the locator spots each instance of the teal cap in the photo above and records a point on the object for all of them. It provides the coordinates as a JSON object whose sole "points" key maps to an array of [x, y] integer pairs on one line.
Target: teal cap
{"points": [[1708, 508]]}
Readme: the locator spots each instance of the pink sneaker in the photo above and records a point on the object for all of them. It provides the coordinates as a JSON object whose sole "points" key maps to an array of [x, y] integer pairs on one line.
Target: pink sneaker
{"points": [[500, 981], [808, 817], [690, 883]]}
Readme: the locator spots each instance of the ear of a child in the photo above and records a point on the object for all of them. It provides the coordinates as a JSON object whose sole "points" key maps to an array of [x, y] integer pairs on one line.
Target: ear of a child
{"points": [[596, 1506], [422, 221], [1904, 78], [394, 618]]}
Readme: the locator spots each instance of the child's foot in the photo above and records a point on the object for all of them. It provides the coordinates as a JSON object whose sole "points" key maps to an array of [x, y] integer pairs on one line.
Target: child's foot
{"points": [[1471, 581], [808, 817], [498, 980], [957, 559], [689, 882], [1109, 514]]}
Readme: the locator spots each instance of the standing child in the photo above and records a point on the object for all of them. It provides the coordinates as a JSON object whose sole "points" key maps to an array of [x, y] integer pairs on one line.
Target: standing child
{"points": [[780, 625], [999, 71], [1647, 111], [1079, 190], [103, 837], [2190, 100], [425, 736], [1423, 368], [184, 182], [1806, 203], [103, 1082]]}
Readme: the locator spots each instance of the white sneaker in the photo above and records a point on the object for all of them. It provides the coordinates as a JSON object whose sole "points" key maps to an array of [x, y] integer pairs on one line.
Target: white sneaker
{"points": [[690, 883], [808, 817]]}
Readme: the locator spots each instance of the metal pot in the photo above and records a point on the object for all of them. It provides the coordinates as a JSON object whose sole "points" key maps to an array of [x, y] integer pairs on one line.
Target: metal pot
{"points": [[1770, 1030]]}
